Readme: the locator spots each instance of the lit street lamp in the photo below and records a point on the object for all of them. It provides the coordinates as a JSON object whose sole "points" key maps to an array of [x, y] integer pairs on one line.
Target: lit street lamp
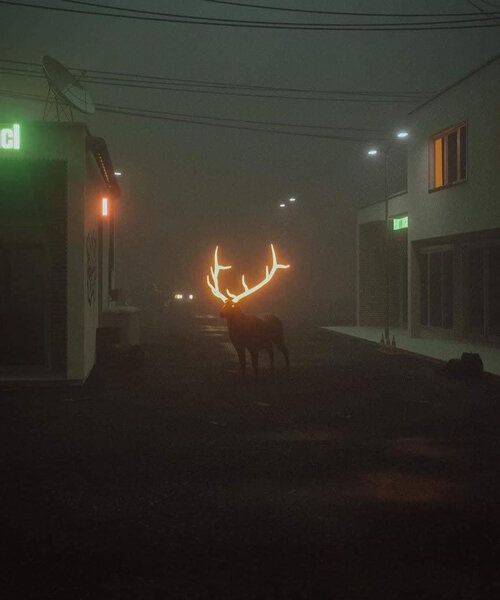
{"points": [[401, 135], [290, 200]]}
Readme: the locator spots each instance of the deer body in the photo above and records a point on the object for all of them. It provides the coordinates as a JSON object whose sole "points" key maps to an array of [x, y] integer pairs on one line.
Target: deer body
{"points": [[248, 332]]}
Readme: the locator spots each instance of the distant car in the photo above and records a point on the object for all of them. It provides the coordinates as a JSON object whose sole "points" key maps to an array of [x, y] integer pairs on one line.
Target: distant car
{"points": [[184, 297]]}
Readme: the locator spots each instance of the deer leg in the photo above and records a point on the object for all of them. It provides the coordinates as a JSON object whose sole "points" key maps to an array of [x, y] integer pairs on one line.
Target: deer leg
{"points": [[271, 359], [284, 350], [255, 362], [243, 360]]}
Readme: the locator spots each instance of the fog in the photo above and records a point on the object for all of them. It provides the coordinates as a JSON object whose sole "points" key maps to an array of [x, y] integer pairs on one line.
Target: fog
{"points": [[188, 186]]}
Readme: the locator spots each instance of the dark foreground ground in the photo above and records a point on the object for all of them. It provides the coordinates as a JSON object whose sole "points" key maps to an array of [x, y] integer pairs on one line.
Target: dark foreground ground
{"points": [[363, 476]]}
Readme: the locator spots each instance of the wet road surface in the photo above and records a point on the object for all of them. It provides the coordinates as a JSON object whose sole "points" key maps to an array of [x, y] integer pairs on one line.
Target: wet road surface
{"points": [[361, 476]]}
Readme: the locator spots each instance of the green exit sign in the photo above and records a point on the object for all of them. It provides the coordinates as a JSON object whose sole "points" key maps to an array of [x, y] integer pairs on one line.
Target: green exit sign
{"points": [[10, 137], [400, 223]]}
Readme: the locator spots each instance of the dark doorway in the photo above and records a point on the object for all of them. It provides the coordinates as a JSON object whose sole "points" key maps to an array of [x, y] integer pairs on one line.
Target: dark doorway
{"points": [[22, 305], [401, 255], [436, 288], [494, 292], [476, 291], [33, 250], [484, 292]]}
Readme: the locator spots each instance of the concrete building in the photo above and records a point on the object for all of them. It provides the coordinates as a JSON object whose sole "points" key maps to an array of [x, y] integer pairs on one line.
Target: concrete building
{"points": [[443, 253], [57, 195]]}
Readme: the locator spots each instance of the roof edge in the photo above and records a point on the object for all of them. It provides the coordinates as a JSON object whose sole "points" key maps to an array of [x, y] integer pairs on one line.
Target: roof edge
{"points": [[455, 83], [99, 149]]}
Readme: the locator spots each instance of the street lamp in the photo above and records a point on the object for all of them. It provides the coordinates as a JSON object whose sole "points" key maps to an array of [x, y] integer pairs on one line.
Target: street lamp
{"points": [[400, 135]]}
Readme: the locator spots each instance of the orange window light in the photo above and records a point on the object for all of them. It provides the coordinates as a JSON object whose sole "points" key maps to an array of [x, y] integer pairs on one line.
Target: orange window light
{"points": [[438, 162], [104, 207]]}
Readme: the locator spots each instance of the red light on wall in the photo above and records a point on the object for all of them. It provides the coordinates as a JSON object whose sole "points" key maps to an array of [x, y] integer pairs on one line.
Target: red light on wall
{"points": [[104, 207]]}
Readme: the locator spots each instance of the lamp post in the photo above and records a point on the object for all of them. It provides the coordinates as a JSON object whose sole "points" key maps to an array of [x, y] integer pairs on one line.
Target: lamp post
{"points": [[401, 135]]}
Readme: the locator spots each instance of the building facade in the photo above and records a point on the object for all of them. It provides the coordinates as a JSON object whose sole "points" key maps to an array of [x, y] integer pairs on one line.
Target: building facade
{"points": [[57, 195], [443, 253]]}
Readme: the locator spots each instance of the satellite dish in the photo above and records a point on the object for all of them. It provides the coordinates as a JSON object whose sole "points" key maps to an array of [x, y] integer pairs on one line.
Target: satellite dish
{"points": [[65, 88]]}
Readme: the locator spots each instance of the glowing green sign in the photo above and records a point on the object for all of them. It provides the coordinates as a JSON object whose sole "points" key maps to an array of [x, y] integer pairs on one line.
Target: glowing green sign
{"points": [[10, 138], [400, 223]]}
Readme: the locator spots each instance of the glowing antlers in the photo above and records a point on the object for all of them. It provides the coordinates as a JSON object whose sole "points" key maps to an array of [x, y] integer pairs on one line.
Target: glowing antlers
{"points": [[214, 271], [247, 291], [269, 275]]}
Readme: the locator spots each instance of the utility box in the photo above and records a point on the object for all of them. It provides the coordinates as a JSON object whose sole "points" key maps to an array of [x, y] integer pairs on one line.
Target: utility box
{"points": [[124, 320]]}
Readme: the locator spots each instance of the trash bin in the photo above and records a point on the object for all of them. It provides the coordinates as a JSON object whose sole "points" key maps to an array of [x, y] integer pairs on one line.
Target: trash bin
{"points": [[121, 323]]}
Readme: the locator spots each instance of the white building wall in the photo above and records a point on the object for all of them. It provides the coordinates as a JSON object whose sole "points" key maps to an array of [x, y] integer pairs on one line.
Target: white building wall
{"points": [[66, 141], [94, 192], [398, 205], [85, 188], [468, 207], [473, 205]]}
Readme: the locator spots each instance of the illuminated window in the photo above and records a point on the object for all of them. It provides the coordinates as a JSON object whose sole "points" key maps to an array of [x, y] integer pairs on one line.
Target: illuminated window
{"points": [[448, 157], [438, 162]]}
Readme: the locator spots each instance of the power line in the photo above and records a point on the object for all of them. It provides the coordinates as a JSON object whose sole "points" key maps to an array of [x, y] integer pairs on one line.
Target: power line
{"points": [[271, 123], [156, 78], [344, 13], [192, 120], [279, 24], [481, 10], [189, 119], [145, 86], [143, 83], [99, 79], [236, 24], [492, 4]]}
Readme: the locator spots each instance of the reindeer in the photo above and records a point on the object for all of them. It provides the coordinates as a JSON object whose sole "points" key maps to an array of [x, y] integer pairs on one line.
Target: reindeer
{"points": [[248, 331]]}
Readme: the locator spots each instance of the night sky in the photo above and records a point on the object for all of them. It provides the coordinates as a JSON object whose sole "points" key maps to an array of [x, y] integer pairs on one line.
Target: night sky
{"points": [[187, 187]]}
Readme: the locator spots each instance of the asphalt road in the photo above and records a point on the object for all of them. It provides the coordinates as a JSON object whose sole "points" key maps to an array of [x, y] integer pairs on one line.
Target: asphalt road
{"points": [[361, 476]]}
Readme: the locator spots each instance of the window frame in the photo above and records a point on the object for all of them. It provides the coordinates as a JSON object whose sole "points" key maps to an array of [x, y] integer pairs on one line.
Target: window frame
{"points": [[444, 135]]}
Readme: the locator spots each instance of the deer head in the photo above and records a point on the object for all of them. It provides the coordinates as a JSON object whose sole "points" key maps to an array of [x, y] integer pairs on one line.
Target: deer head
{"points": [[231, 300]]}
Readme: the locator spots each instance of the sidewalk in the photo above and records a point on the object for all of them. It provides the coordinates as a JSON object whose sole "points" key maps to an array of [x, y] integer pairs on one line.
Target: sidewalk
{"points": [[441, 349]]}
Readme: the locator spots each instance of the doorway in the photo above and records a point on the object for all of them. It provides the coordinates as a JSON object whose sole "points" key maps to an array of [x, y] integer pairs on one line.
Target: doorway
{"points": [[22, 305], [436, 288], [483, 271]]}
